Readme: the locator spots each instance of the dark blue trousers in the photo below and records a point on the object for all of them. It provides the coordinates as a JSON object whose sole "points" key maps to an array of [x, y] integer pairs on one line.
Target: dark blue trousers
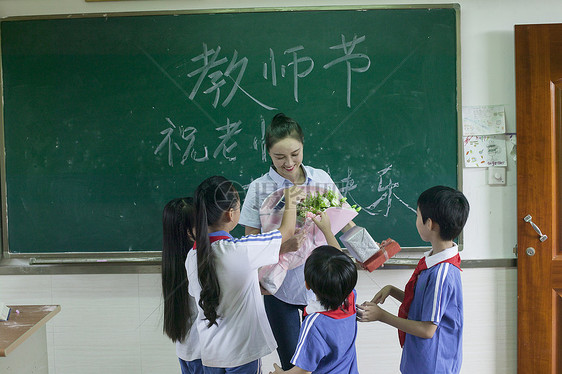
{"points": [[191, 367], [253, 367], [285, 322]]}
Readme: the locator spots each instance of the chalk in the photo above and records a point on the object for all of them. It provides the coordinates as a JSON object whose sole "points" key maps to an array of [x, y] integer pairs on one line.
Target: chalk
{"points": [[17, 311]]}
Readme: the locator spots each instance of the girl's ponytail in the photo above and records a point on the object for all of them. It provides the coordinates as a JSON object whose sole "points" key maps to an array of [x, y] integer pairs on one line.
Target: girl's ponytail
{"points": [[177, 240], [213, 197], [206, 271]]}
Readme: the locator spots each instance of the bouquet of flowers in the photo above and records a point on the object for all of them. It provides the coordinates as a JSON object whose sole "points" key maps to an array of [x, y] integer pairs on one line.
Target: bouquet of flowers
{"points": [[317, 200]]}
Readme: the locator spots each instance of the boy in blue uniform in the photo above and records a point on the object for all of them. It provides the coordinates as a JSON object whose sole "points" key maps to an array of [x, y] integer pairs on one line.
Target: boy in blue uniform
{"points": [[327, 336], [430, 319]]}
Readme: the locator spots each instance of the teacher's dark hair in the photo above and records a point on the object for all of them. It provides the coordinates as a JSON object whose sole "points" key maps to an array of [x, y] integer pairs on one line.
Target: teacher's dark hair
{"points": [[177, 228], [331, 275], [282, 127], [213, 197]]}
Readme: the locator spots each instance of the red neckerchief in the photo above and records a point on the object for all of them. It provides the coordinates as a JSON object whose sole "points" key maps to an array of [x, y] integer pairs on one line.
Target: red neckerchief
{"points": [[342, 312], [213, 239], [410, 287]]}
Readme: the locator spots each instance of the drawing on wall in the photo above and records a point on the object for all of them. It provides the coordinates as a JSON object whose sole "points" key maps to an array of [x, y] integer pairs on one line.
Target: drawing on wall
{"points": [[483, 120], [484, 151]]}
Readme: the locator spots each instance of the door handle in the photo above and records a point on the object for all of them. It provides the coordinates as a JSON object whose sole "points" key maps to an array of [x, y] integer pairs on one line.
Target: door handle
{"points": [[528, 218]]}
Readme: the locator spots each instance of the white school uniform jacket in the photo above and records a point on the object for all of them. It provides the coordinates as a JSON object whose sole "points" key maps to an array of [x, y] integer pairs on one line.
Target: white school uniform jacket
{"points": [[188, 349], [242, 333]]}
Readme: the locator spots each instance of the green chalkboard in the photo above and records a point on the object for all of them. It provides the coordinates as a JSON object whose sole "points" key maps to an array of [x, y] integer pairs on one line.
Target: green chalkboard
{"points": [[106, 118]]}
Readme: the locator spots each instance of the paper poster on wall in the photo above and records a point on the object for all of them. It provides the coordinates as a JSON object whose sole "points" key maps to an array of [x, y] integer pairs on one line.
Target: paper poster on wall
{"points": [[483, 120], [511, 140], [484, 151]]}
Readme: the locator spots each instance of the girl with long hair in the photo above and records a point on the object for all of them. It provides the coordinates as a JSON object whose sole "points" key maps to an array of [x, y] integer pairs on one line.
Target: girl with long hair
{"points": [[180, 310], [233, 329]]}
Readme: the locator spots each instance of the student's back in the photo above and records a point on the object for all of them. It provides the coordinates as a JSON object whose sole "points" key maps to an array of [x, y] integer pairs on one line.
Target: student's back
{"points": [[222, 272], [430, 317], [327, 336], [241, 333], [438, 298], [327, 340]]}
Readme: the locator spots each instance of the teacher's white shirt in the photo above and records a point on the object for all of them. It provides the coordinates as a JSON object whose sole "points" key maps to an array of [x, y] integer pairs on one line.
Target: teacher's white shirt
{"points": [[292, 290]]}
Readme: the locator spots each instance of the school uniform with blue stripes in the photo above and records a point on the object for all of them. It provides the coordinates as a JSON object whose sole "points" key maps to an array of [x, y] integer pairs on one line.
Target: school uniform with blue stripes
{"points": [[437, 298], [242, 333], [327, 339]]}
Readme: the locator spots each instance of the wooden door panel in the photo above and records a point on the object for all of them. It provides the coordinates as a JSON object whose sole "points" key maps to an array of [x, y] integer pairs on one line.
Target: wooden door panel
{"points": [[556, 271], [538, 53], [556, 264], [556, 55], [558, 333]]}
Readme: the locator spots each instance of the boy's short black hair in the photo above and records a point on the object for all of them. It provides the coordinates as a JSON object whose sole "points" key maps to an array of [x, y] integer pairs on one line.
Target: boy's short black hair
{"points": [[331, 275], [445, 206]]}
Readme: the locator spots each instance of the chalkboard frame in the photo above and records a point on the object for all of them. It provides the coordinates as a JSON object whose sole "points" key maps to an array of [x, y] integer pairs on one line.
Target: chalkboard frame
{"points": [[149, 256]]}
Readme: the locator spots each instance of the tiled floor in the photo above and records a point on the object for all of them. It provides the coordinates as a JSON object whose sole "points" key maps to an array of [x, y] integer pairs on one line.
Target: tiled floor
{"points": [[112, 323]]}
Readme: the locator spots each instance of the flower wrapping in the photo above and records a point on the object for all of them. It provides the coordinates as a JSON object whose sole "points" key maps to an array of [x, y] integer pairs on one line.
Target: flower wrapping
{"points": [[271, 213]]}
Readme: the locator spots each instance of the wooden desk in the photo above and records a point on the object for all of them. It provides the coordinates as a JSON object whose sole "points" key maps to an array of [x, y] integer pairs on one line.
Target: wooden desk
{"points": [[26, 330]]}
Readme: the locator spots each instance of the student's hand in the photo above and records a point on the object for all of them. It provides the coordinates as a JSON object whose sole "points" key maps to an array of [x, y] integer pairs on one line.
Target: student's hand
{"points": [[293, 195], [277, 369], [385, 242], [323, 223], [263, 291], [293, 243], [348, 226], [367, 312], [381, 296]]}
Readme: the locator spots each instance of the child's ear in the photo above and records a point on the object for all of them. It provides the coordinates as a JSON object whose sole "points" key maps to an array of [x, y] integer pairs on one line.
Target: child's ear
{"points": [[432, 225], [228, 215], [306, 285]]}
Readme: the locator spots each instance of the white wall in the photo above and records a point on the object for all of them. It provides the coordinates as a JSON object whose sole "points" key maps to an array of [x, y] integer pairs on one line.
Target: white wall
{"points": [[111, 323]]}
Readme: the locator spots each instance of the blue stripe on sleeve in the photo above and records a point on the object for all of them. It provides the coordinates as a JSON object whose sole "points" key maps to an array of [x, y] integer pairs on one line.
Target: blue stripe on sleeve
{"points": [[259, 237], [308, 322], [437, 296]]}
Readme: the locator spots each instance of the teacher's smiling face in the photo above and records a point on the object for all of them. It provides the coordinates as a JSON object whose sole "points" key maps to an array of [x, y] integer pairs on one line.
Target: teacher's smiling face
{"points": [[286, 155]]}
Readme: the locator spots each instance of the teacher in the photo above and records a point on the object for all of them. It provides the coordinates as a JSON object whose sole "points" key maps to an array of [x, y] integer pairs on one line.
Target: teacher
{"points": [[284, 142]]}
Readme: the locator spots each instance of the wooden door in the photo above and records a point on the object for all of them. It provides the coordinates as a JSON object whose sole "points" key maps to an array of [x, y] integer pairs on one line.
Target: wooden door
{"points": [[538, 67]]}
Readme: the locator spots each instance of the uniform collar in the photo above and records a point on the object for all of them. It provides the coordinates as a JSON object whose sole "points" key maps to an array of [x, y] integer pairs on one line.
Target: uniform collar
{"points": [[215, 236], [220, 233], [284, 182], [432, 260], [314, 306]]}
